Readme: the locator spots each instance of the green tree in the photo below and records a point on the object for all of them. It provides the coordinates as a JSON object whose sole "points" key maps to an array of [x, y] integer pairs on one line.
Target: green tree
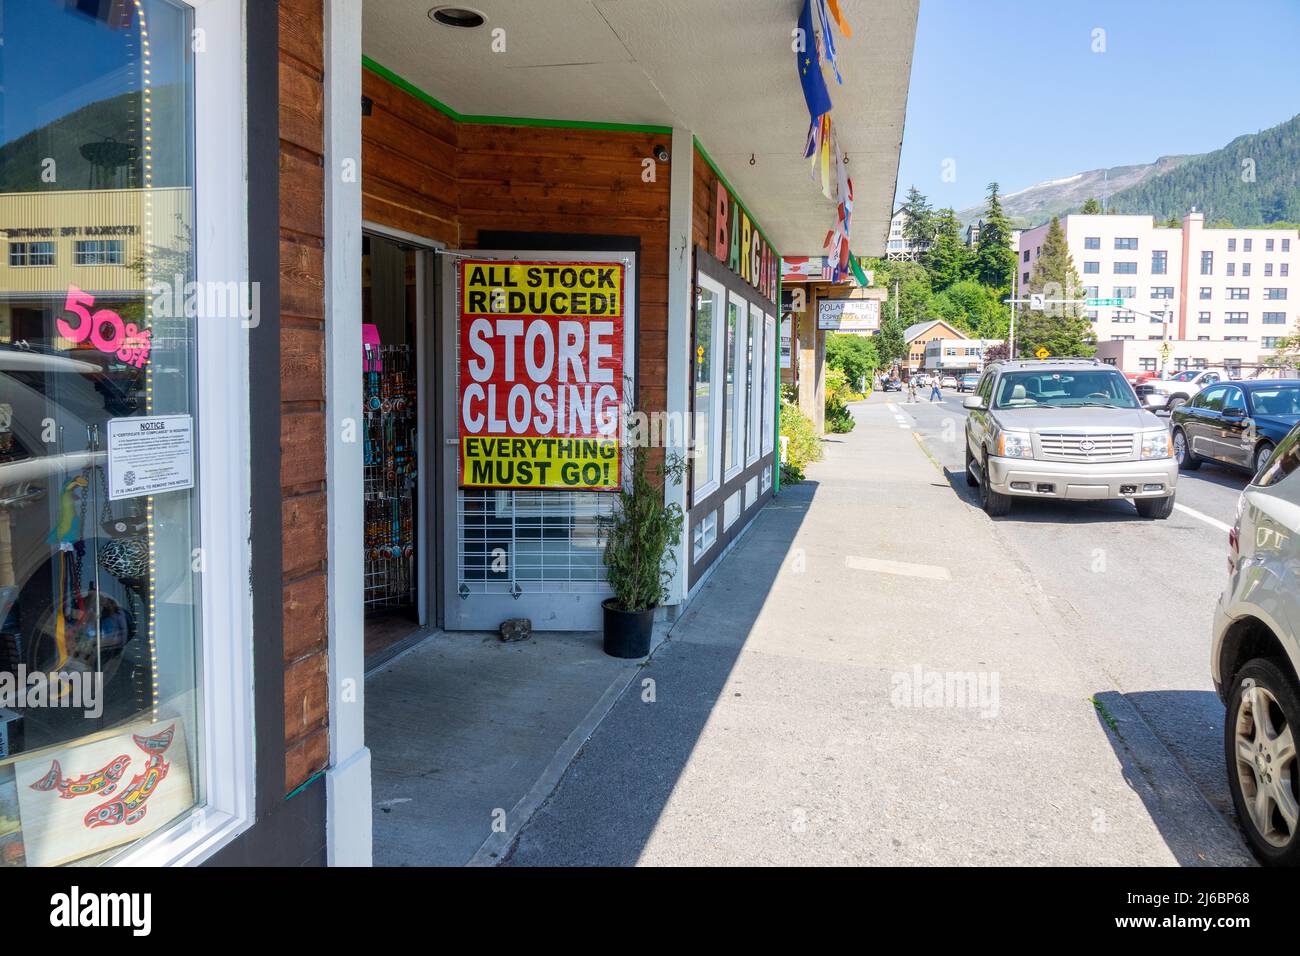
{"points": [[854, 355], [918, 221], [995, 260], [1061, 329], [948, 259], [1091, 207], [974, 308]]}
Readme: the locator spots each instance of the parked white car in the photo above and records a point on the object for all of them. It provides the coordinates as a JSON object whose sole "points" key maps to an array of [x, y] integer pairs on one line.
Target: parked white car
{"points": [[1169, 393], [949, 381], [1256, 657]]}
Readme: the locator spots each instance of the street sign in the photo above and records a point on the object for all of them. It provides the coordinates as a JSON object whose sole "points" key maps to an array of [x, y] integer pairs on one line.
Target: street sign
{"points": [[1036, 301], [1042, 352], [1093, 303]]}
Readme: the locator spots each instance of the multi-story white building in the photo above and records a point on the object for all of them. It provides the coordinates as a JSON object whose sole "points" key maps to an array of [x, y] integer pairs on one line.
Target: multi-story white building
{"points": [[898, 247], [1186, 286]]}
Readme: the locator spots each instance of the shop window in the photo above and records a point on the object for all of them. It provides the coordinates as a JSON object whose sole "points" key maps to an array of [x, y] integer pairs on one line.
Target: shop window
{"points": [[705, 535], [767, 479], [731, 509], [737, 343], [754, 384], [101, 560], [98, 252], [707, 422], [769, 384], [23, 254]]}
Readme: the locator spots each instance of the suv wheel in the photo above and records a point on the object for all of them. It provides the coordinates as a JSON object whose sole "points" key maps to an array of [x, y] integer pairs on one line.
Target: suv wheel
{"points": [[970, 464], [1259, 744], [1154, 507], [1175, 401], [995, 504], [1187, 461]]}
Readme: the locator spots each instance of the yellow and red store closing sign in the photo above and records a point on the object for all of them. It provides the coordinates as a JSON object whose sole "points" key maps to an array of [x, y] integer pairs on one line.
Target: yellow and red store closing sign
{"points": [[541, 374]]}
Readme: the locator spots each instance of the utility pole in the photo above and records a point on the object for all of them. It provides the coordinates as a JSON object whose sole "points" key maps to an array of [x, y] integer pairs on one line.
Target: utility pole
{"points": [[1015, 289]]}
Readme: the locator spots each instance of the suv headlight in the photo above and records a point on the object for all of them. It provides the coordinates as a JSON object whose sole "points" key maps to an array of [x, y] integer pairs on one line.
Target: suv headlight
{"points": [[1015, 445], [1157, 444]]}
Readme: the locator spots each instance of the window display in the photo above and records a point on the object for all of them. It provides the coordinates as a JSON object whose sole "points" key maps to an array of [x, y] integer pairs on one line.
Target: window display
{"points": [[99, 552]]}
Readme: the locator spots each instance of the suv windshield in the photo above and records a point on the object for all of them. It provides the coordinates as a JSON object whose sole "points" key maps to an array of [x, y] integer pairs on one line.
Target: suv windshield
{"points": [[1064, 388]]}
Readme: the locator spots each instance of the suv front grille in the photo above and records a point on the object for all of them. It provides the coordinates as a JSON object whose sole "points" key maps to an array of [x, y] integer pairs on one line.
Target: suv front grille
{"points": [[1145, 390], [1078, 446]]}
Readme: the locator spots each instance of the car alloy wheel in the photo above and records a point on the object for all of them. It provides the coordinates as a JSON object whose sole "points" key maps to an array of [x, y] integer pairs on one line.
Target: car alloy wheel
{"points": [[1262, 759], [1263, 452], [1180, 446]]}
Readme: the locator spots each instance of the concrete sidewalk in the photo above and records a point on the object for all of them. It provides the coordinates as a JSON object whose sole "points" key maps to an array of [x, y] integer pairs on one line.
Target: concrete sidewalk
{"points": [[469, 735], [871, 678]]}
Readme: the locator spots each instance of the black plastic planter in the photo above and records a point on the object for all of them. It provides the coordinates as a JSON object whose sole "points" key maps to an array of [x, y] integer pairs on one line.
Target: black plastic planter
{"points": [[627, 633]]}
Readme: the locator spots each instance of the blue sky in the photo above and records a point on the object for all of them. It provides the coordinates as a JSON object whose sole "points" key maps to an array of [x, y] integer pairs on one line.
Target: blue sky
{"points": [[1011, 90]]}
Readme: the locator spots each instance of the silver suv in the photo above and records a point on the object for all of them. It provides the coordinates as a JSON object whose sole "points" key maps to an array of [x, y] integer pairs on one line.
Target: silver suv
{"points": [[1065, 428], [1256, 655]]}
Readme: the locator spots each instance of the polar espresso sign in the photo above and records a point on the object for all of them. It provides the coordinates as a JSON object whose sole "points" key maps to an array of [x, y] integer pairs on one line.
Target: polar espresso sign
{"points": [[541, 374]]}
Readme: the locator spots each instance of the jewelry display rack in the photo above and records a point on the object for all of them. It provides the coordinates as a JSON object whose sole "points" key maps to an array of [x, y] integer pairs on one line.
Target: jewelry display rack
{"points": [[390, 473]]}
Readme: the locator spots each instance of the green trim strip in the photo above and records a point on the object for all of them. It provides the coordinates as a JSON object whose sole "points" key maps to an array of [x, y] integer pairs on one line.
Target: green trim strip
{"points": [[304, 785], [404, 84], [735, 195]]}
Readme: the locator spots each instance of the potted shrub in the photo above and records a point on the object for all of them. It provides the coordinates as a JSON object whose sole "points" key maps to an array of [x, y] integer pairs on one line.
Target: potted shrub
{"points": [[640, 537]]}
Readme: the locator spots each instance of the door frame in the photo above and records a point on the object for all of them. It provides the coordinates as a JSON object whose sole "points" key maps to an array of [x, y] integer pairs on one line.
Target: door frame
{"points": [[429, 453], [548, 610]]}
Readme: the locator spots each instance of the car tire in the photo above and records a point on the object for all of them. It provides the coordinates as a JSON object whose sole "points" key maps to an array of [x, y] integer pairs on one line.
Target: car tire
{"points": [[1174, 402], [1157, 508], [1187, 460], [1255, 780], [971, 480], [995, 504], [1263, 451]]}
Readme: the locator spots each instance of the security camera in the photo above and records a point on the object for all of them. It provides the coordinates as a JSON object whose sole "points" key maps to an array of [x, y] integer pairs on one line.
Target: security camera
{"points": [[661, 153]]}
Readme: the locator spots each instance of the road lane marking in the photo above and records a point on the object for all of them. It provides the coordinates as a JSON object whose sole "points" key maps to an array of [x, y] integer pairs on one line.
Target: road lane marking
{"points": [[1212, 522], [932, 571]]}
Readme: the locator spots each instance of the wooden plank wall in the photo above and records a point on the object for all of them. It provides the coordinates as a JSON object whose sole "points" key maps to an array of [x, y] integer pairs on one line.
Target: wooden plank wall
{"points": [[302, 389], [426, 174]]}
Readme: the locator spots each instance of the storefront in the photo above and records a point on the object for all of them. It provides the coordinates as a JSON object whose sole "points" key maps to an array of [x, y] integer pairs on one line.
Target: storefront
{"points": [[300, 365], [124, 487]]}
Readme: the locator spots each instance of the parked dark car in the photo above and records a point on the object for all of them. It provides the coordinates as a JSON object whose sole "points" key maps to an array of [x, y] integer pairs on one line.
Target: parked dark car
{"points": [[891, 385], [968, 382], [1235, 423]]}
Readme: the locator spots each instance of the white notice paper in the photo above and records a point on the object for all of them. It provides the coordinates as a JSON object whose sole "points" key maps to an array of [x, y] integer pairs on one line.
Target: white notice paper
{"points": [[147, 456]]}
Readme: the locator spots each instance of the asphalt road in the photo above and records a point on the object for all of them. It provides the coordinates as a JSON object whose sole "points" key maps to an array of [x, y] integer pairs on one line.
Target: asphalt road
{"points": [[1140, 593]]}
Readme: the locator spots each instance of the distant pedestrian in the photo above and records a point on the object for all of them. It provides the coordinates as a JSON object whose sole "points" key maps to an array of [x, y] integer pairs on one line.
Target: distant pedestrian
{"points": [[911, 389], [934, 389]]}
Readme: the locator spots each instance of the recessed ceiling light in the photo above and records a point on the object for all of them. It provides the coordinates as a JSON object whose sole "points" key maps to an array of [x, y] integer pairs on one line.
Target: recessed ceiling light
{"points": [[457, 17]]}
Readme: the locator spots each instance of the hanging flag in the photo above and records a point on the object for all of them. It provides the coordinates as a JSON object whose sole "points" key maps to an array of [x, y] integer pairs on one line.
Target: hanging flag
{"points": [[839, 17], [809, 66], [828, 39]]}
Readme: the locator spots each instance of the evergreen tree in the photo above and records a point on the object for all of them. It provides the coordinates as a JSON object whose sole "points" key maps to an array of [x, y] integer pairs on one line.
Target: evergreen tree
{"points": [[1092, 207], [918, 222], [948, 257], [995, 260], [1061, 329]]}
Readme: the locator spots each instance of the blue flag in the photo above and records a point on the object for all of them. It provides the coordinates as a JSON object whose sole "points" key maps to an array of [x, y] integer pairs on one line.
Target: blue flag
{"points": [[809, 66]]}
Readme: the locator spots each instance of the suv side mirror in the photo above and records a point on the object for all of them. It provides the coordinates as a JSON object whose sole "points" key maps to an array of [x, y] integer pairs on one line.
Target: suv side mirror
{"points": [[973, 401], [1235, 414]]}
